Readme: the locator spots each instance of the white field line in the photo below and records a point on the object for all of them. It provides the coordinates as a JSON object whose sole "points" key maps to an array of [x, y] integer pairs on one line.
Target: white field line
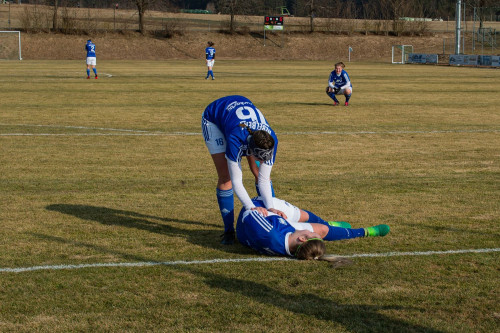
{"points": [[217, 261], [133, 132]]}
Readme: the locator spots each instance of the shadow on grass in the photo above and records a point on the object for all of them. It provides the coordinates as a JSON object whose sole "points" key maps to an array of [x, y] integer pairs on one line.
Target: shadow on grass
{"points": [[311, 103], [354, 317], [155, 224]]}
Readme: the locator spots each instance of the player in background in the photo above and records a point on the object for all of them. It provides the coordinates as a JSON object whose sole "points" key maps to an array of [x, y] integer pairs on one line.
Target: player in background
{"points": [[210, 58], [302, 234], [339, 84], [91, 58], [232, 128]]}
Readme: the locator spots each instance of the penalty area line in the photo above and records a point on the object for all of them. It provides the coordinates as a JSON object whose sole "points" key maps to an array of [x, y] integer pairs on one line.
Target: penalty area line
{"points": [[217, 261]]}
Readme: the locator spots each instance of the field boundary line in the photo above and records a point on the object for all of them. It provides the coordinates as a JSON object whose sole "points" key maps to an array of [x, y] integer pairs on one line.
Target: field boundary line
{"points": [[129, 132], [217, 261]]}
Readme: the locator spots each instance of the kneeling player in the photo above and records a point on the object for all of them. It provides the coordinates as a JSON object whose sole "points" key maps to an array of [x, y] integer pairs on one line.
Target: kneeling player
{"points": [[301, 235]]}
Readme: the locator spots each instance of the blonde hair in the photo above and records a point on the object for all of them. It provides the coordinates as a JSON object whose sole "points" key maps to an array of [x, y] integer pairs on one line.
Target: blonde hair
{"points": [[313, 248], [341, 64]]}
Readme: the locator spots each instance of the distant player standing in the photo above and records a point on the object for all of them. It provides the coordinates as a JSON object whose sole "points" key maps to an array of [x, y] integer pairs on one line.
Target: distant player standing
{"points": [[210, 58], [339, 84], [91, 58]]}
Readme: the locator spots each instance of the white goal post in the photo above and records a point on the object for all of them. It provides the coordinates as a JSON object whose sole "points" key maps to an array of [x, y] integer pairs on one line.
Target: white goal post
{"points": [[400, 53], [10, 45]]}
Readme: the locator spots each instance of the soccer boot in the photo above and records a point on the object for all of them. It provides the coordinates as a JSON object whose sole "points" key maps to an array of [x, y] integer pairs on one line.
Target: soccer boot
{"points": [[228, 238], [335, 103], [96, 77], [346, 104], [340, 224], [88, 77], [377, 231]]}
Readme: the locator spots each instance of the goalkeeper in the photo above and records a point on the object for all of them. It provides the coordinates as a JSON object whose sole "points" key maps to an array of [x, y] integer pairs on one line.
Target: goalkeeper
{"points": [[301, 234], [339, 84]]}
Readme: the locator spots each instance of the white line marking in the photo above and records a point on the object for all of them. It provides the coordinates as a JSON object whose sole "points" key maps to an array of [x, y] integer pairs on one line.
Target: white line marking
{"points": [[131, 132], [216, 261]]}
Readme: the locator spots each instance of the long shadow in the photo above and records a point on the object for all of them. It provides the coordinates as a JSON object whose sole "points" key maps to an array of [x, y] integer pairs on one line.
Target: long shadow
{"points": [[155, 224], [354, 317]]}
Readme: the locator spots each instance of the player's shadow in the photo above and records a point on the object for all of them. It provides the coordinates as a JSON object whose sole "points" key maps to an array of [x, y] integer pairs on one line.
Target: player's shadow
{"points": [[311, 103], [155, 224], [353, 317]]}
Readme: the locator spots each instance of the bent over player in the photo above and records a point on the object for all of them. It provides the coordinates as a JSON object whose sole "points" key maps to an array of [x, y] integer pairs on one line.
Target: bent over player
{"points": [[91, 58], [301, 234], [232, 128], [339, 84]]}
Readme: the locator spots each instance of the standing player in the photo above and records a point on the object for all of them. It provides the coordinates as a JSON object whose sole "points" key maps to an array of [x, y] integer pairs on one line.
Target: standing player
{"points": [[339, 84], [210, 57], [91, 58], [233, 127], [302, 234]]}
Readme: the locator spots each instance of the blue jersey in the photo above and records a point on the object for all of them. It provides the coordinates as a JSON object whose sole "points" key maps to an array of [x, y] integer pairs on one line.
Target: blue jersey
{"points": [[90, 48], [267, 235], [227, 114], [210, 53], [340, 80]]}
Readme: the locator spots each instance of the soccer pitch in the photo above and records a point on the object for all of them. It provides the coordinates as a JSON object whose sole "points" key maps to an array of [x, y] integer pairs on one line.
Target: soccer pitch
{"points": [[109, 219]]}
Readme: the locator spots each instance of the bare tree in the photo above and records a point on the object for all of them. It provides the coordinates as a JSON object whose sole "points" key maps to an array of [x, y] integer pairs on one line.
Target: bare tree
{"points": [[142, 7]]}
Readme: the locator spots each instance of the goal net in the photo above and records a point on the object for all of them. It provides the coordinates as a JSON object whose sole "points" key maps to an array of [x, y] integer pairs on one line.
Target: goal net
{"points": [[10, 45], [400, 53]]}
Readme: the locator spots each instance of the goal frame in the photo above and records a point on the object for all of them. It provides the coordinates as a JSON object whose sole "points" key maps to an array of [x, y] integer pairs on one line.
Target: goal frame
{"points": [[404, 53], [18, 38]]}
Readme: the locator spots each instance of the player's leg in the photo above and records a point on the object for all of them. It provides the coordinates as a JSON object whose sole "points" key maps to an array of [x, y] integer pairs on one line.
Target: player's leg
{"points": [[94, 69], [338, 233], [225, 198], [331, 94], [88, 70], [347, 91], [216, 144]]}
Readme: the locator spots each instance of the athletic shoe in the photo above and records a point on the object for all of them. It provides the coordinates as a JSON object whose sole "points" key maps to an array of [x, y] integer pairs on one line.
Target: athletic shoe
{"points": [[340, 224], [88, 77], [346, 104], [377, 231], [96, 77], [228, 238], [335, 103], [206, 78], [213, 78]]}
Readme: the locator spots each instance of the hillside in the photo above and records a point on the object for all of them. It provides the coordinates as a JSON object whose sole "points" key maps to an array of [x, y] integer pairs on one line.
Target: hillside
{"points": [[297, 46]]}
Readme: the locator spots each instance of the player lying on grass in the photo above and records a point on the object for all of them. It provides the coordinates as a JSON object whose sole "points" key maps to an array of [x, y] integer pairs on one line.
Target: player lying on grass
{"points": [[301, 235]]}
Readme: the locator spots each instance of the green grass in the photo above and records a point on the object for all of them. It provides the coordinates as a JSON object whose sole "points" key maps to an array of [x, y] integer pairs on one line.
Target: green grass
{"points": [[104, 171]]}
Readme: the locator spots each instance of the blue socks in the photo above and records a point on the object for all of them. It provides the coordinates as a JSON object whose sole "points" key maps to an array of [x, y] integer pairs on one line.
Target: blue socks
{"points": [[337, 233], [313, 218], [210, 73], [88, 72], [95, 71], [226, 206], [347, 97]]}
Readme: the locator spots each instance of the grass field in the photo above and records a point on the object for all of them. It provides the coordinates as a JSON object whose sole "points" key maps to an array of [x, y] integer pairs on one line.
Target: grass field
{"points": [[109, 220]]}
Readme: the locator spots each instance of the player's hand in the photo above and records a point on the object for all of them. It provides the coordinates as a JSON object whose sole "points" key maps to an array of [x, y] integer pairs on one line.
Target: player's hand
{"points": [[261, 210], [278, 212], [336, 90]]}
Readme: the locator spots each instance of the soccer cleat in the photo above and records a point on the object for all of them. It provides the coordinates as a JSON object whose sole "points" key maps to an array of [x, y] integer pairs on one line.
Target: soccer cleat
{"points": [[88, 77], [213, 78], [340, 224], [228, 238], [377, 231], [346, 104], [335, 103], [96, 77]]}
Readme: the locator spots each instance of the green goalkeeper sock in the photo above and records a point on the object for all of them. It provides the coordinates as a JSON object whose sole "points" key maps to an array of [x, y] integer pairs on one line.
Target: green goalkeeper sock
{"points": [[377, 231], [340, 224]]}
